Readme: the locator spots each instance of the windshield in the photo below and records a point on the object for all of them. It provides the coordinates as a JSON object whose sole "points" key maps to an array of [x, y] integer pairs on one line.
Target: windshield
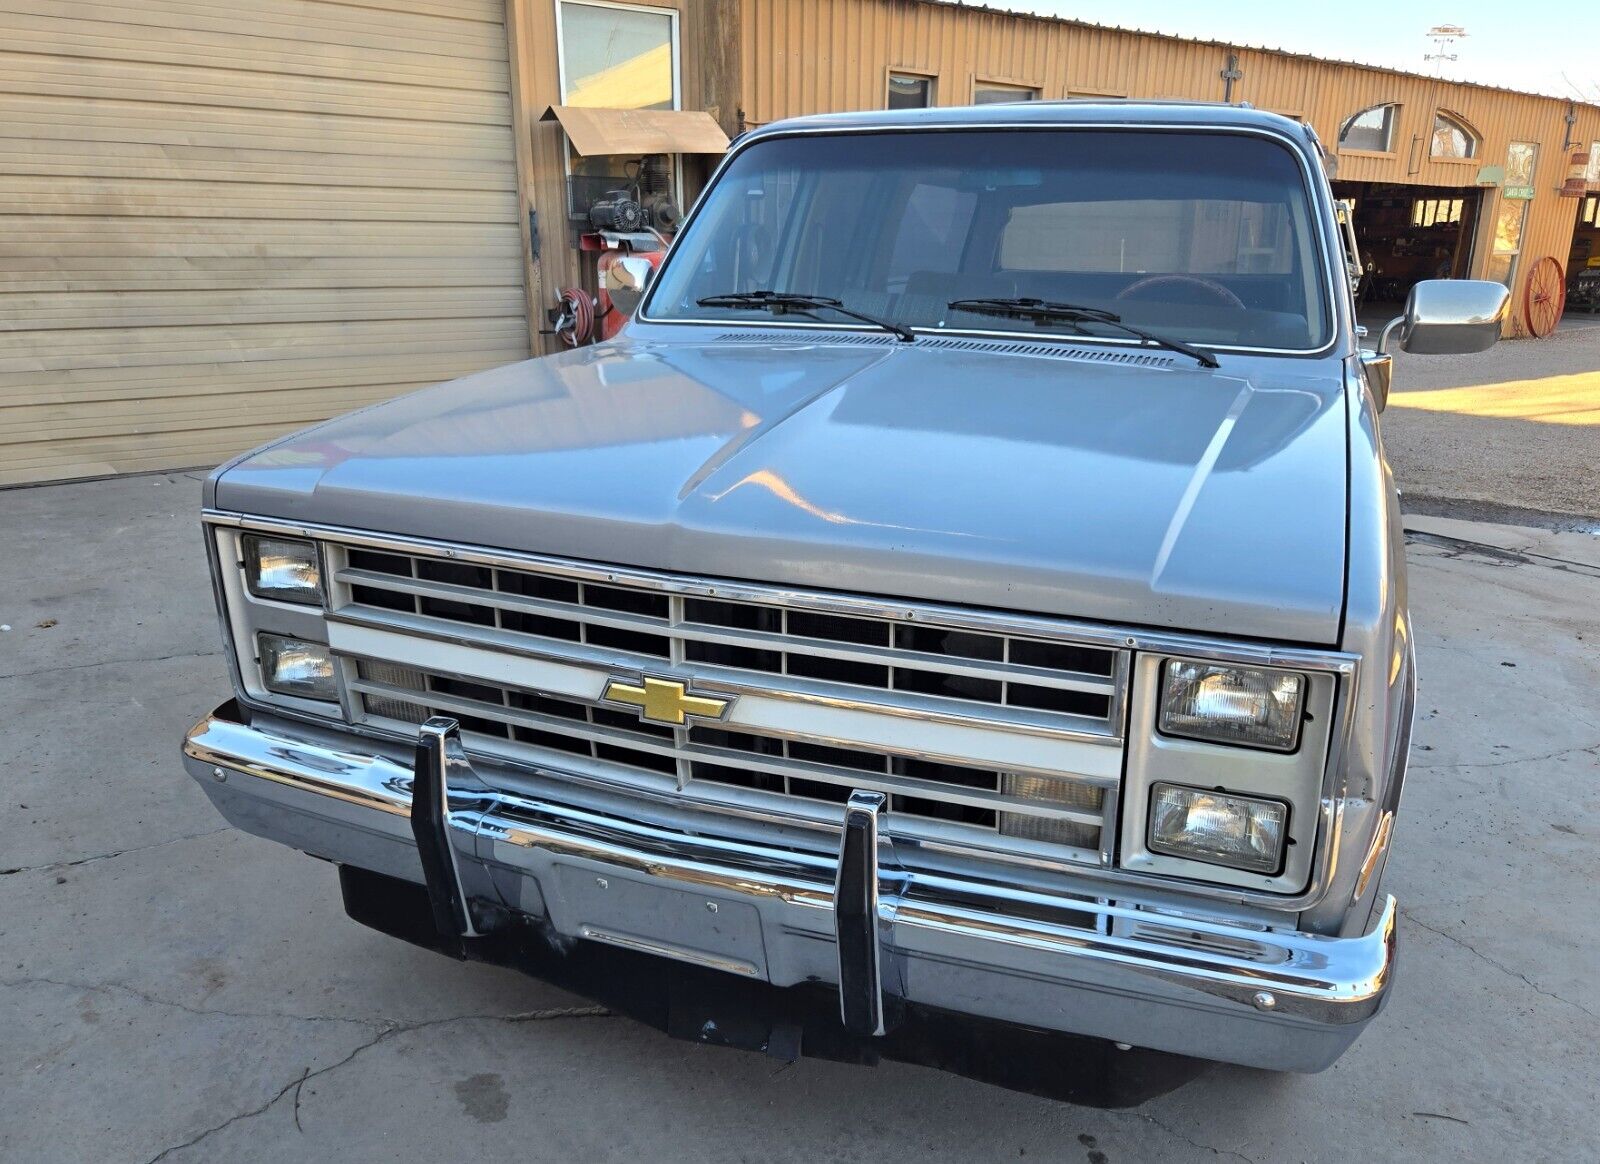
{"points": [[1204, 237]]}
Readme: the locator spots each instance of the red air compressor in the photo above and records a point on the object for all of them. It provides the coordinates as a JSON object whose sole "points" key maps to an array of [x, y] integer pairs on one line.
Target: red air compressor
{"points": [[629, 229]]}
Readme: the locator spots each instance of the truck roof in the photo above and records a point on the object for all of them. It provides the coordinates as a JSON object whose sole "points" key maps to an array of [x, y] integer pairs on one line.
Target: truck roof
{"points": [[1073, 111]]}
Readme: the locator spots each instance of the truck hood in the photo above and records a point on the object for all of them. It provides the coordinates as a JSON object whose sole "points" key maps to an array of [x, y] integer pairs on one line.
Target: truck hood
{"points": [[1098, 485]]}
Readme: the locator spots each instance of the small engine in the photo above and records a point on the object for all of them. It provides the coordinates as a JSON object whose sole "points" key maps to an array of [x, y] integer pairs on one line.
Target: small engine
{"points": [[617, 210]]}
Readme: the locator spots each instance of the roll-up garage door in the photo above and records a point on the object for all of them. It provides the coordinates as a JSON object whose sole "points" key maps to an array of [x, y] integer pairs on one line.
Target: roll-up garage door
{"points": [[220, 222]]}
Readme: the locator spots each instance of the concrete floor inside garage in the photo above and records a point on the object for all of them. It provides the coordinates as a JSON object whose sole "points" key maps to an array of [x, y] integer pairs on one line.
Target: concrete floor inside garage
{"points": [[171, 989]]}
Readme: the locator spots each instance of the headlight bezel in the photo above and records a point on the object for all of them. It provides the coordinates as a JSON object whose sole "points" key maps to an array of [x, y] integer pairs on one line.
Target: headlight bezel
{"points": [[251, 558], [1305, 779], [1220, 736]]}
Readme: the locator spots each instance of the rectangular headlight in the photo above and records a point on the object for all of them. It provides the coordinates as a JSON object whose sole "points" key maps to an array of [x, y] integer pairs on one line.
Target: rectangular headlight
{"points": [[297, 667], [1221, 828], [1251, 707], [284, 569]]}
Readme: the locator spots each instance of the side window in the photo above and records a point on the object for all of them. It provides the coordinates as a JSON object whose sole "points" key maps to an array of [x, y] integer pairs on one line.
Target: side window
{"points": [[932, 234], [1371, 130], [1452, 138], [909, 91]]}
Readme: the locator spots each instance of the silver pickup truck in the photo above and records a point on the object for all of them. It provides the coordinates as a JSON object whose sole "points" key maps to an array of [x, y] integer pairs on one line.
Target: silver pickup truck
{"points": [[965, 604]]}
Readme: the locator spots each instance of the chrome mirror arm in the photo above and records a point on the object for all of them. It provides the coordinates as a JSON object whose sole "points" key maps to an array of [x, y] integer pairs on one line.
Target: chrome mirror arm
{"points": [[1388, 330]]}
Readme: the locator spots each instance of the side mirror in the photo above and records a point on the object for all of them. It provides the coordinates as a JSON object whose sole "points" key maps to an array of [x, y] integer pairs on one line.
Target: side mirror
{"points": [[627, 279], [1448, 317]]}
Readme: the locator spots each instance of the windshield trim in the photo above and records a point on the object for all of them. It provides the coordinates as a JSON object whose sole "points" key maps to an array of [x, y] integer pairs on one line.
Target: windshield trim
{"points": [[1313, 190]]}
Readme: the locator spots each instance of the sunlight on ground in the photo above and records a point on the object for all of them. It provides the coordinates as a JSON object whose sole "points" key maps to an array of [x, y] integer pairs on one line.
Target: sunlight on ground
{"points": [[1553, 400]]}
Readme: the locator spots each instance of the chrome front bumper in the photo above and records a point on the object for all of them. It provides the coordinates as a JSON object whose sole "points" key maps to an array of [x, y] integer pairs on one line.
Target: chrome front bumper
{"points": [[1278, 1000]]}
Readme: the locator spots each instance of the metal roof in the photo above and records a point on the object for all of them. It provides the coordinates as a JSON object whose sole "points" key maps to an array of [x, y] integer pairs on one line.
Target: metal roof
{"points": [[1073, 111]]}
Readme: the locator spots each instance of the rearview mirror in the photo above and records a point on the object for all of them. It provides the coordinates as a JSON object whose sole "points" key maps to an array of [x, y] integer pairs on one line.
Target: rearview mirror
{"points": [[1448, 317], [626, 281]]}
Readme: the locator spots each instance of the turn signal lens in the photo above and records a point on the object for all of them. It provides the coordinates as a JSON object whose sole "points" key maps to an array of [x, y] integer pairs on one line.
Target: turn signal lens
{"points": [[283, 569], [1217, 827], [297, 667], [1247, 706]]}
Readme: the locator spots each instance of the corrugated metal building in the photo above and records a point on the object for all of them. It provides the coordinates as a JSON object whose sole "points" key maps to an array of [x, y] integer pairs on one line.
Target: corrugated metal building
{"points": [[217, 225]]}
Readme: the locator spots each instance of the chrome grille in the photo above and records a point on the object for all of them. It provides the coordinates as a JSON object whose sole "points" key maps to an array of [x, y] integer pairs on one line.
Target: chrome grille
{"points": [[948, 663], [904, 667], [542, 724]]}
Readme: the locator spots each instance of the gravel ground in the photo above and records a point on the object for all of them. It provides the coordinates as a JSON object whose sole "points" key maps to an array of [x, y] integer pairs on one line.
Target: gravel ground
{"points": [[1530, 445]]}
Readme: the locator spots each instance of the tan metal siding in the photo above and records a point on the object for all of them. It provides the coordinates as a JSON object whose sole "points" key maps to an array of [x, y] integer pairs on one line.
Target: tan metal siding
{"points": [[816, 56], [219, 223]]}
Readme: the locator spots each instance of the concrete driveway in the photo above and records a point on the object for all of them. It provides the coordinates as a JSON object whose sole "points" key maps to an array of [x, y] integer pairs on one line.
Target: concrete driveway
{"points": [[173, 990], [1515, 427]]}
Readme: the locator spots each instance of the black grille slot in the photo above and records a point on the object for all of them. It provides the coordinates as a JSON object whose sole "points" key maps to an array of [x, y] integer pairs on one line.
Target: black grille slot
{"points": [[636, 642], [838, 757], [455, 573], [839, 628], [651, 761], [817, 790], [1058, 699], [540, 738], [736, 615], [387, 599], [839, 670], [627, 601], [949, 686], [727, 655], [378, 563], [1061, 657], [454, 611], [932, 640], [542, 625], [538, 586], [544, 705]]}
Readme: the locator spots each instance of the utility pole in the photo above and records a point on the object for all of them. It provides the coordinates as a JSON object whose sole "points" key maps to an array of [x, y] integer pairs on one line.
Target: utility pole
{"points": [[1444, 37]]}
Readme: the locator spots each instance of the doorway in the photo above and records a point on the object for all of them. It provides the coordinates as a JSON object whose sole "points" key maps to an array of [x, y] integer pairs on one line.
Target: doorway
{"points": [[1407, 234]]}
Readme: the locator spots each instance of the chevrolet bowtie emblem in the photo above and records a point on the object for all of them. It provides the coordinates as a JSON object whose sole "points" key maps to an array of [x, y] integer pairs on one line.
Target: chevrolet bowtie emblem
{"points": [[665, 701]]}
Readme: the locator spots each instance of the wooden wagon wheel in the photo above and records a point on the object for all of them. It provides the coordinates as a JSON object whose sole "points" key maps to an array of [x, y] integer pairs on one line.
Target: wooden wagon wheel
{"points": [[1546, 296]]}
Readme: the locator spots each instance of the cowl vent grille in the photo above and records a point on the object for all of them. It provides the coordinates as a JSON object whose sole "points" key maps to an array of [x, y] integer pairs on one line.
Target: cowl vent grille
{"points": [[1120, 356]]}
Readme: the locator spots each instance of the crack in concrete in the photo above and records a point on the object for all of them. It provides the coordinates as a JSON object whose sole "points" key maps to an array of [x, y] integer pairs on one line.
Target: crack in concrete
{"points": [[1504, 969], [115, 853], [202, 1012], [390, 1029], [109, 663], [1590, 749], [1177, 1135]]}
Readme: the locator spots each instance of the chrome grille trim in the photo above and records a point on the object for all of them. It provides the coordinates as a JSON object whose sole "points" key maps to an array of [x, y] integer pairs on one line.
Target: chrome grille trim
{"points": [[907, 704], [1035, 689], [761, 640], [843, 777], [979, 680]]}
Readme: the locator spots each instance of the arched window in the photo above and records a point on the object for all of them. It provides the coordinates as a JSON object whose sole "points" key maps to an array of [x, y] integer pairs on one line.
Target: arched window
{"points": [[1371, 129], [1452, 137]]}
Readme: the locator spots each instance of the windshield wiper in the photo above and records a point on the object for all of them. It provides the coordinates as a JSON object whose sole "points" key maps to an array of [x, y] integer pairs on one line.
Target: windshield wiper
{"points": [[779, 302], [1045, 311]]}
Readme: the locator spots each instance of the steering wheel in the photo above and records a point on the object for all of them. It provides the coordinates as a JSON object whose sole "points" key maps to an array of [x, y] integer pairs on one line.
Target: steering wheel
{"points": [[1212, 289]]}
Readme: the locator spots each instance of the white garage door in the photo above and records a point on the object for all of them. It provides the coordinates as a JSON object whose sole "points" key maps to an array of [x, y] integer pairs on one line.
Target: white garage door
{"points": [[221, 222]]}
